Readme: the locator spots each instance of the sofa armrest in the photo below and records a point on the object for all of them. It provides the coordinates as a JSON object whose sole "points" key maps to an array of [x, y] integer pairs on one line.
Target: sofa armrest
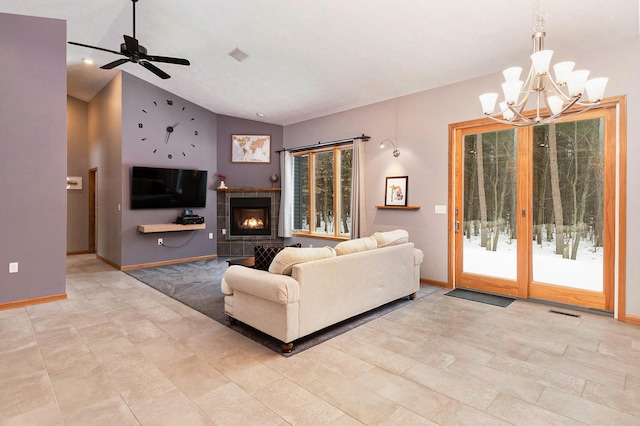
{"points": [[274, 287], [418, 257]]}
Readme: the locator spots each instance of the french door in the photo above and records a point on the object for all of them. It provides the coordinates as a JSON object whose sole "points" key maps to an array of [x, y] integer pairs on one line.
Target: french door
{"points": [[534, 213]]}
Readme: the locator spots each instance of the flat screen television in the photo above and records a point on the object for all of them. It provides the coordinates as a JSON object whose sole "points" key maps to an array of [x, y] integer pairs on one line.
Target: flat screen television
{"points": [[160, 188]]}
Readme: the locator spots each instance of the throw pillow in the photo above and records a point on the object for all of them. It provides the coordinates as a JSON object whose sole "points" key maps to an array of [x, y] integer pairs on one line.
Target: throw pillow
{"points": [[354, 246], [284, 261], [391, 238], [264, 255]]}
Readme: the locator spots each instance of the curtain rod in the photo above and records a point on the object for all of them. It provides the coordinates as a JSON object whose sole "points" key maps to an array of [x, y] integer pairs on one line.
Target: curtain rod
{"points": [[321, 144]]}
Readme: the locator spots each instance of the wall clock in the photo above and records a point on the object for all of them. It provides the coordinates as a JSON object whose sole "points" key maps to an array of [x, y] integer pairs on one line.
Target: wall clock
{"points": [[170, 129]]}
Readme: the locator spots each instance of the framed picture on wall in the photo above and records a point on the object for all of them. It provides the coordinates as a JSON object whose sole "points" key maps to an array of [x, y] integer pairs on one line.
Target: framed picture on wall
{"points": [[250, 148], [74, 182], [395, 192]]}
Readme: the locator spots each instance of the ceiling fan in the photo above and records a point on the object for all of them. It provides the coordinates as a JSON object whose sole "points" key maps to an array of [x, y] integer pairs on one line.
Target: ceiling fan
{"points": [[135, 52]]}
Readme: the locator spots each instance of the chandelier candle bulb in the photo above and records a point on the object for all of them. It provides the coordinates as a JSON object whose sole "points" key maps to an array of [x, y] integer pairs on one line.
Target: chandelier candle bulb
{"points": [[488, 101], [506, 112], [555, 104], [511, 90], [512, 74], [562, 71], [541, 61], [577, 81], [595, 88]]}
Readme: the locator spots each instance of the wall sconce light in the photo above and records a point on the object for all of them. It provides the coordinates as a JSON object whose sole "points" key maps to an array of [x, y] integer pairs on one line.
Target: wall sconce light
{"points": [[396, 151]]}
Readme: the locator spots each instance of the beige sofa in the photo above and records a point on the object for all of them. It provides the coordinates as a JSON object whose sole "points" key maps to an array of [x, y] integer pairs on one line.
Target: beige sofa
{"points": [[354, 278]]}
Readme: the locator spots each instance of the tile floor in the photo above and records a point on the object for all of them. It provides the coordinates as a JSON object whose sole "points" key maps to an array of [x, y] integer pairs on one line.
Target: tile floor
{"points": [[119, 353]]}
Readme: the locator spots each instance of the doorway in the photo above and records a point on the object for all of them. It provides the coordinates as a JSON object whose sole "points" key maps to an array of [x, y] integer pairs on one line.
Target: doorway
{"points": [[93, 210], [536, 209]]}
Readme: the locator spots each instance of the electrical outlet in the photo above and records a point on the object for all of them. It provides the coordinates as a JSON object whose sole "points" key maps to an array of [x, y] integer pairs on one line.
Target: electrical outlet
{"points": [[160, 242], [13, 267], [441, 209], [211, 235], [224, 232]]}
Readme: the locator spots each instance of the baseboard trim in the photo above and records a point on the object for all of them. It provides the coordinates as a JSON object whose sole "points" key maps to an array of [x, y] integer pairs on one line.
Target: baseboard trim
{"points": [[34, 301], [73, 253], [434, 282], [107, 261], [168, 262], [631, 319]]}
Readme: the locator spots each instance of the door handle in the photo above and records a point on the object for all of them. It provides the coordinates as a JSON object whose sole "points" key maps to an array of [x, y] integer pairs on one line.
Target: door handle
{"points": [[457, 226]]}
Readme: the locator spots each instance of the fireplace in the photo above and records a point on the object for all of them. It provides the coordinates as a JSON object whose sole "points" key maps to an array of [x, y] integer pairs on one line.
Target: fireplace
{"points": [[250, 216]]}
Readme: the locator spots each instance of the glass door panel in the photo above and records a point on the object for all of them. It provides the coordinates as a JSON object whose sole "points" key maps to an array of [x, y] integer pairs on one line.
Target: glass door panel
{"points": [[568, 204], [489, 230]]}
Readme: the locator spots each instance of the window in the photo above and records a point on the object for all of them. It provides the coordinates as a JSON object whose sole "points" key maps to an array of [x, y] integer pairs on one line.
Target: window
{"points": [[322, 192]]}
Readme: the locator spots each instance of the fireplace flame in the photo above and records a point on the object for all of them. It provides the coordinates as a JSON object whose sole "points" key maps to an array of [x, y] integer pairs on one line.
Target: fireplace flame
{"points": [[253, 223]]}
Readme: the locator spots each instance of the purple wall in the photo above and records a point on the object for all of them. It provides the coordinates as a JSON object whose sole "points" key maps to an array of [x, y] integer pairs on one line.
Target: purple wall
{"points": [[250, 175], [138, 248], [105, 154], [33, 161], [77, 161]]}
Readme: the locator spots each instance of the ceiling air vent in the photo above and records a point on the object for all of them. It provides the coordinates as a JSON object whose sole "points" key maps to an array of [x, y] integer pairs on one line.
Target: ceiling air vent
{"points": [[238, 55]]}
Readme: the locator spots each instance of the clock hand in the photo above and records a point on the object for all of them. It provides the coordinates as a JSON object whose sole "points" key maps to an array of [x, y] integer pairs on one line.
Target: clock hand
{"points": [[169, 131]]}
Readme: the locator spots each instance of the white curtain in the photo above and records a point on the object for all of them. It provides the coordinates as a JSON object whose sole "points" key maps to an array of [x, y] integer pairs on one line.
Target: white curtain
{"points": [[358, 202], [285, 222]]}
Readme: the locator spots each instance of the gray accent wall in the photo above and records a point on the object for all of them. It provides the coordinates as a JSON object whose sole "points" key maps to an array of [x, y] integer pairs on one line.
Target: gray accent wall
{"points": [[33, 157]]}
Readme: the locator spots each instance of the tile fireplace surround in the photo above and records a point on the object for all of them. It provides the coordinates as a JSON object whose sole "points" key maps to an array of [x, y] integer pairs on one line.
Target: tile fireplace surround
{"points": [[243, 245]]}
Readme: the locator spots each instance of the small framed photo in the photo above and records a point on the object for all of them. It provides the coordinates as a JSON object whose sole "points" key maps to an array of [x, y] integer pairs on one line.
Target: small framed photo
{"points": [[250, 148], [74, 182], [395, 192]]}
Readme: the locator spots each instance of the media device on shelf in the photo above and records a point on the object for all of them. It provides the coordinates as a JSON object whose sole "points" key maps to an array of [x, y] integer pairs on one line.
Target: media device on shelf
{"points": [[188, 218], [160, 188]]}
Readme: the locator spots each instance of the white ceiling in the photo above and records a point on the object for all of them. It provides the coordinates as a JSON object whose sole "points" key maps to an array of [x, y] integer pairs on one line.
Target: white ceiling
{"points": [[309, 58]]}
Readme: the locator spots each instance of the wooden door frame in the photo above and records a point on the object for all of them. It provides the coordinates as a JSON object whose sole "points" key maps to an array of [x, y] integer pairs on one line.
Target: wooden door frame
{"points": [[617, 104]]}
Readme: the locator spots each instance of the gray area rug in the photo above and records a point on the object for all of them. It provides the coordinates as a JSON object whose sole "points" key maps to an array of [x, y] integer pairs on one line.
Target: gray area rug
{"points": [[489, 299], [197, 285]]}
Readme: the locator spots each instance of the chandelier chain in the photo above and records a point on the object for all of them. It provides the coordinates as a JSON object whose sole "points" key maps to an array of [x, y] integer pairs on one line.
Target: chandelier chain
{"points": [[540, 17]]}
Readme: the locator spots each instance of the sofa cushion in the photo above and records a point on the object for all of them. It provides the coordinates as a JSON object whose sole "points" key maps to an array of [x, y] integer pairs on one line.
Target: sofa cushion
{"points": [[355, 246], [391, 238], [264, 255], [289, 256]]}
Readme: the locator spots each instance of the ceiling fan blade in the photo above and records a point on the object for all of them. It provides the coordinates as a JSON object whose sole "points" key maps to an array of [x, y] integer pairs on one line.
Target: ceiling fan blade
{"points": [[114, 64], [157, 71], [168, 60], [94, 47], [131, 43]]}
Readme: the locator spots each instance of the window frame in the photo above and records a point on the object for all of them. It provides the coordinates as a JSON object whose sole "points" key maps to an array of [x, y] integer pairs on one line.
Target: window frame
{"points": [[337, 205]]}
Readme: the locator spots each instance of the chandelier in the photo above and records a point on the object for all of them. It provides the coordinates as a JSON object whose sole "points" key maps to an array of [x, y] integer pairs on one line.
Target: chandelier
{"points": [[553, 99]]}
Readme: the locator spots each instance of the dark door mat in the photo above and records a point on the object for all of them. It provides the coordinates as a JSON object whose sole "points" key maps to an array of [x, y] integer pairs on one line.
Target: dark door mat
{"points": [[489, 299]]}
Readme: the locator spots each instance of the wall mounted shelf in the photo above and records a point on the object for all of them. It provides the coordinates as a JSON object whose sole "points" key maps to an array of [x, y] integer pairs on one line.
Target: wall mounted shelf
{"points": [[398, 207], [247, 189], [169, 227]]}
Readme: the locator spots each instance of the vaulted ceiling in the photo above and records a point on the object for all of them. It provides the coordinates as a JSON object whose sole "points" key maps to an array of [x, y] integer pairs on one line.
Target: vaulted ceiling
{"points": [[316, 57]]}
